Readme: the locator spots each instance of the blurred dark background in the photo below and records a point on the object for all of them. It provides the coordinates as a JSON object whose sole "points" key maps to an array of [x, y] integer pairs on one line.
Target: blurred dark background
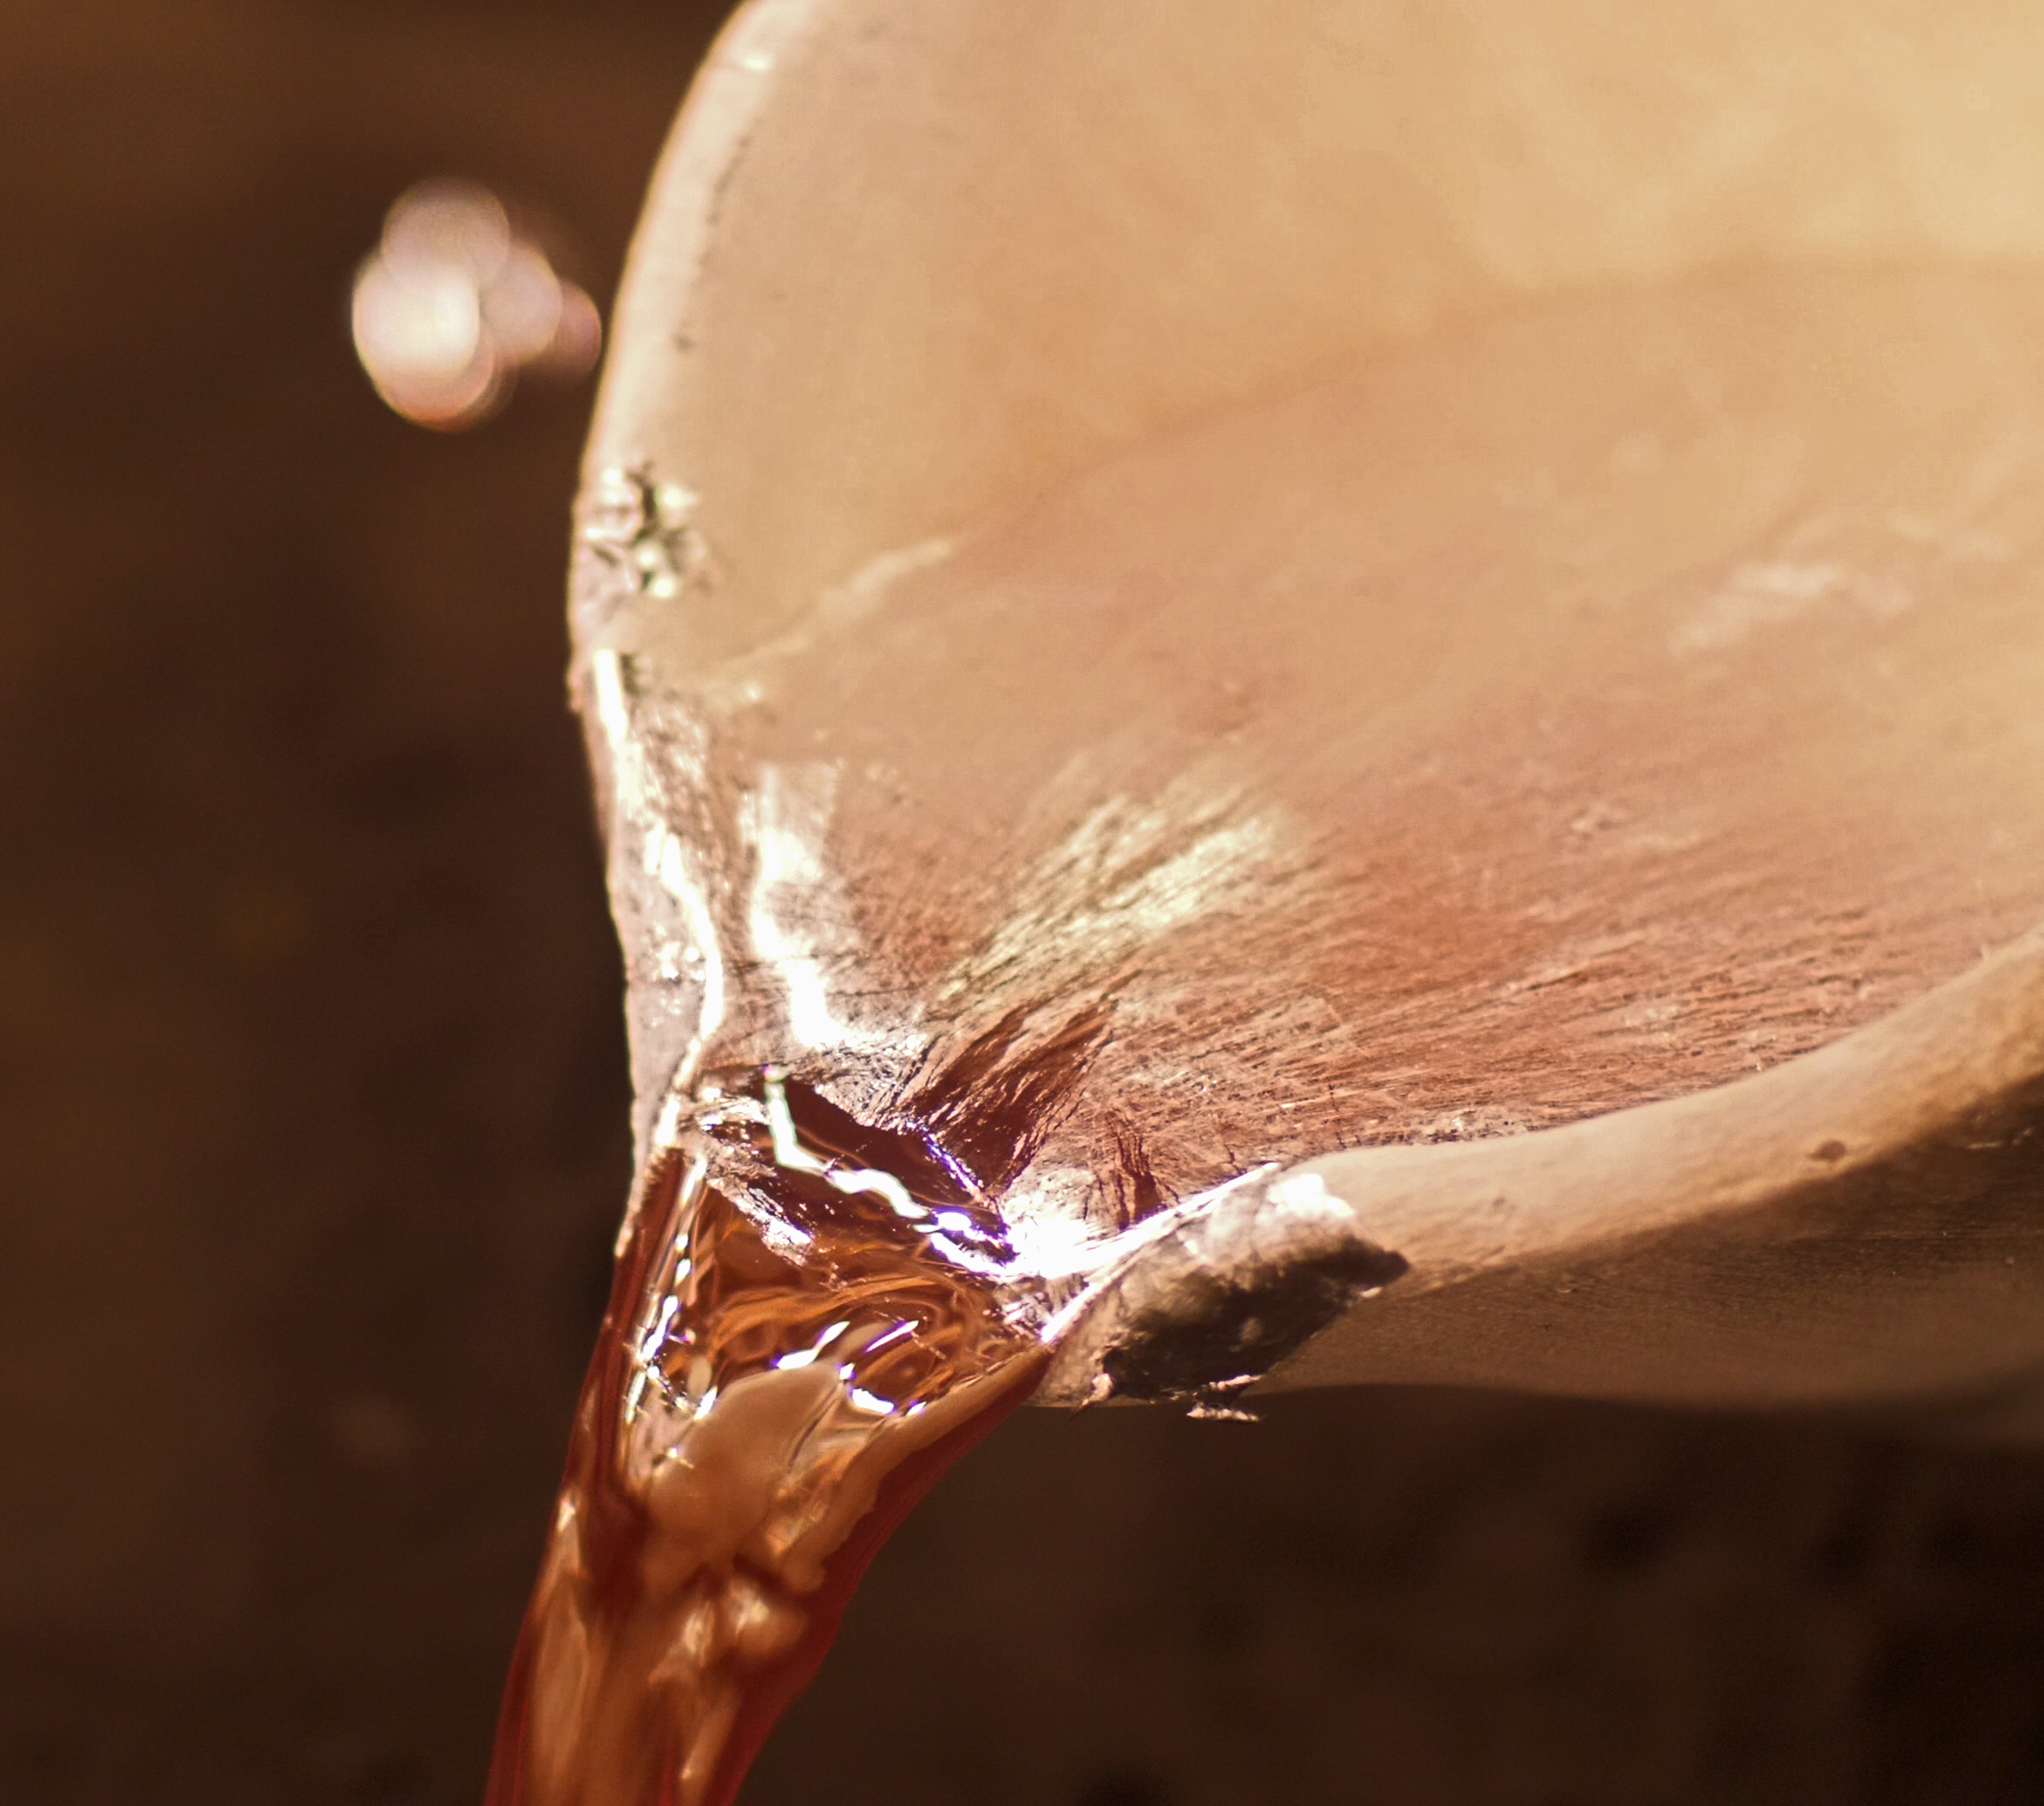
{"points": [[312, 1122]]}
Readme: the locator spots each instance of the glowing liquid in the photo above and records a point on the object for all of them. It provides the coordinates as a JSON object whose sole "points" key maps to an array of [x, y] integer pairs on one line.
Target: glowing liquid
{"points": [[798, 1343]]}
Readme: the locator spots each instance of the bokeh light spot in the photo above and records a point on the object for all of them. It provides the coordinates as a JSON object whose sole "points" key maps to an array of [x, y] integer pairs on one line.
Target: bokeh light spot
{"points": [[454, 302]]}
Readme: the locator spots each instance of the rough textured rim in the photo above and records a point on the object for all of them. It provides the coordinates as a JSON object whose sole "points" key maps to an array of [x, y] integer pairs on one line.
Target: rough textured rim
{"points": [[730, 91]]}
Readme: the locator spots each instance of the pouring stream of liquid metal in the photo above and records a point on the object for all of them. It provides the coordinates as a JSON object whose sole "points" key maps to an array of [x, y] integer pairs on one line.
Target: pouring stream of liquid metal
{"points": [[812, 1320], [789, 1361], [1522, 727]]}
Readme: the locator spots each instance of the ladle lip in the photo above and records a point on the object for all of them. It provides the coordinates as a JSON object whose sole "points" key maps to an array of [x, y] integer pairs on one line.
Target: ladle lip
{"points": [[1954, 1074]]}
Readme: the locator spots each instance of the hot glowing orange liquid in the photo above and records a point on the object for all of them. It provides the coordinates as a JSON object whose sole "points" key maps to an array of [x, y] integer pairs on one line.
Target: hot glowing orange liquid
{"points": [[790, 1359]]}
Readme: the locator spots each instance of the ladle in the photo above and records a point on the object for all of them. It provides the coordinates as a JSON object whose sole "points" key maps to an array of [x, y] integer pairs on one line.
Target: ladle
{"points": [[908, 263]]}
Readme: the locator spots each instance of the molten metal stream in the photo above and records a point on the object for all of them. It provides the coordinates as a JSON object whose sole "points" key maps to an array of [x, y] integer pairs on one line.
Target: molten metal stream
{"points": [[809, 1325]]}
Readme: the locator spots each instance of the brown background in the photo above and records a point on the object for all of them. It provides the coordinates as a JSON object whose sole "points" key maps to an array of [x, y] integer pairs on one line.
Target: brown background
{"points": [[313, 1123]]}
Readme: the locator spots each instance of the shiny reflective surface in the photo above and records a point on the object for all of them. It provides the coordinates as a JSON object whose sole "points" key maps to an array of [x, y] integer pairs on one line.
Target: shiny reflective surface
{"points": [[810, 1322], [1548, 717]]}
